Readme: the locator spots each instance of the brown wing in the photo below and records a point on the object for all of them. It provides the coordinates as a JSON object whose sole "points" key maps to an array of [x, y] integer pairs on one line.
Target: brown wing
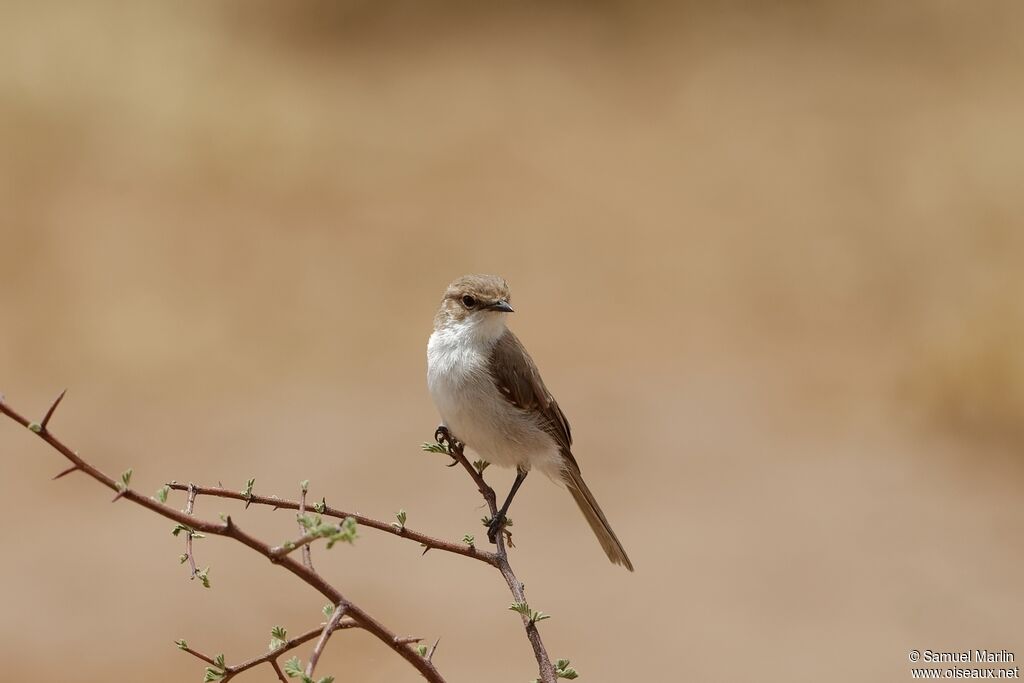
{"points": [[518, 380]]}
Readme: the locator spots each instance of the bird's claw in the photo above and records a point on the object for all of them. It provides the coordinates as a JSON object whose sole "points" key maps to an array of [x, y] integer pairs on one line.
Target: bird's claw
{"points": [[492, 533], [495, 527], [444, 438], [442, 435]]}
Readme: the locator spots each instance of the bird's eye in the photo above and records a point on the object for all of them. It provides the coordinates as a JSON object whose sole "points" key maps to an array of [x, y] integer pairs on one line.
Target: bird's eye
{"points": [[468, 301]]}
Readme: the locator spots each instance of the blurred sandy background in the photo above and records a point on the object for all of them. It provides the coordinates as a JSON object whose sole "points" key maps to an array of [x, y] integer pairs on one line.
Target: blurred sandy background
{"points": [[770, 261]]}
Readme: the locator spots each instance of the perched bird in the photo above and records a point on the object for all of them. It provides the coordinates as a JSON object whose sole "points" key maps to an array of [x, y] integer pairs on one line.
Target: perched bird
{"points": [[492, 399]]}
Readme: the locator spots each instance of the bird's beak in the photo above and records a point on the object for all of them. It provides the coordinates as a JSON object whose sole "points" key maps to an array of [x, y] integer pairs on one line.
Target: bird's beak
{"points": [[501, 305]]}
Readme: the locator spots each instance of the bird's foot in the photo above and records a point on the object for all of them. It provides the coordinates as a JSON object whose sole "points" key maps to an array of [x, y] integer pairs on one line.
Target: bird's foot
{"points": [[444, 438], [498, 525]]}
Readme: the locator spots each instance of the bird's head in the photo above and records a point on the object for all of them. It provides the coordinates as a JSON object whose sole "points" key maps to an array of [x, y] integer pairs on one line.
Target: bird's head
{"points": [[475, 301]]}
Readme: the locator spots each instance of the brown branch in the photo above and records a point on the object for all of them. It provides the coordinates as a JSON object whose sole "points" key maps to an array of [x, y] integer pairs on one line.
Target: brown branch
{"points": [[405, 532], [304, 570], [291, 546], [270, 657], [307, 551], [546, 670], [199, 655], [189, 533], [288, 645], [332, 623], [229, 529]]}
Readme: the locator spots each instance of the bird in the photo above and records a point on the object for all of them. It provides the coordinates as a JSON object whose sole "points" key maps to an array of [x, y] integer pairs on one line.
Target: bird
{"points": [[492, 399]]}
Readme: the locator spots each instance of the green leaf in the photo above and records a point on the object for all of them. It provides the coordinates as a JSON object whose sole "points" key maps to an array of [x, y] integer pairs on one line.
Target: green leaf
{"points": [[468, 539], [346, 532], [126, 477], [293, 667], [183, 558], [326, 679], [434, 448], [309, 522], [321, 507], [524, 609], [328, 610], [304, 485], [161, 493], [422, 649], [219, 661], [480, 466], [278, 637], [182, 645], [178, 528], [401, 517], [564, 670], [212, 675], [204, 577], [520, 607], [247, 491], [35, 427]]}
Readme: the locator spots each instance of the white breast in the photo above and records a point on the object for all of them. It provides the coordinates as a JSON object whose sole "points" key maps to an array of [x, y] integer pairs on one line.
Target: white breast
{"points": [[460, 382]]}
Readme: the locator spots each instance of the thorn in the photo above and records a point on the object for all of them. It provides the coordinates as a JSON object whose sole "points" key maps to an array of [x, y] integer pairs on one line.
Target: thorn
{"points": [[425, 551], [67, 471], [53, 407], [430, 654], [248, 502], [453, 463], [118, 496]]}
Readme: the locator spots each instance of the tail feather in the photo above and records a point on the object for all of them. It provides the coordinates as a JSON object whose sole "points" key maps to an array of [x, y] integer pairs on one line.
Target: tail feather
{"points": [[595, 517]]}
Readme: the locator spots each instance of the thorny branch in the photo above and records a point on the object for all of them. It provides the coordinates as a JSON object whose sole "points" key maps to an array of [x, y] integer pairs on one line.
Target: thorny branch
{"points": [[325, 510], [307, 551], [228, 528], [271, 657], [547, 671], [346, 614], [329, 627], [189, 504]]}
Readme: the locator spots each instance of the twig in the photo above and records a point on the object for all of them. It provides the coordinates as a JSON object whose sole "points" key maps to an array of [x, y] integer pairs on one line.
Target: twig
{"points": [[546, 670], [189, 533], [291, 546], [332, 623], [199, 655], [229, 529], [269, 657], [280, 555], [405, 532], [307, 551]]}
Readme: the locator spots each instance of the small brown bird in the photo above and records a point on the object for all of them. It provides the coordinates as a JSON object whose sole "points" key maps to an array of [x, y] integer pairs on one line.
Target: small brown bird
{"points": [[491, 398]]}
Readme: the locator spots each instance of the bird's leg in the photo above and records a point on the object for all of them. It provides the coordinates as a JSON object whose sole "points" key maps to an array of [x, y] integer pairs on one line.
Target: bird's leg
{"points": [[498, 522]]}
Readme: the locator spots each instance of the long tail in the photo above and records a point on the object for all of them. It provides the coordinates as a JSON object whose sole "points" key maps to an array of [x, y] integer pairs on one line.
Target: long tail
{"points": [[598, 522]]}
